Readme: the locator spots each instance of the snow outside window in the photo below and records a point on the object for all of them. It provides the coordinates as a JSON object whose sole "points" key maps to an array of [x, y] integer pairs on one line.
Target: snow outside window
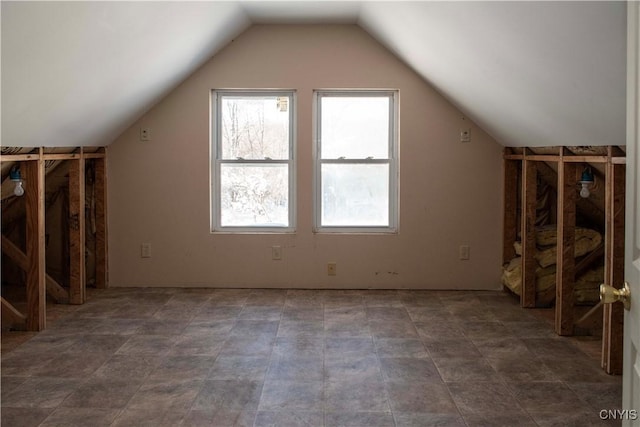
{"points": [[252, 156]]}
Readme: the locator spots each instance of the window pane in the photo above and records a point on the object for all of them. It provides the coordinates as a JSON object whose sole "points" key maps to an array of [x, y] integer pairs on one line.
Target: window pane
{"points": [[254, 195], [355, 195], [355, 127], [255, 127]]}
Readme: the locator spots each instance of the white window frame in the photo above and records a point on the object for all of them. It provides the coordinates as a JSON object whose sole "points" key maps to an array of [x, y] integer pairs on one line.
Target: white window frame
{"points": [[392, 160], [216, 160]]}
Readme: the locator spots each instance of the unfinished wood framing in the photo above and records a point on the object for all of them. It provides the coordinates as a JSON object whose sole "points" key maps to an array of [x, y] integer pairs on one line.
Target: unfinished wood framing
{"points": [[102, 273], [57, 292], [33, 261], [568, 161], [529, 194], [613, 314], [566, 263], [510, 210], [12, 316], [36, 266], [77, 276]]}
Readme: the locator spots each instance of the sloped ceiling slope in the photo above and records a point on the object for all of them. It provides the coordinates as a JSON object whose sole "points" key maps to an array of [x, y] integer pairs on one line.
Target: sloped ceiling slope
{"points": [[529, 73]]}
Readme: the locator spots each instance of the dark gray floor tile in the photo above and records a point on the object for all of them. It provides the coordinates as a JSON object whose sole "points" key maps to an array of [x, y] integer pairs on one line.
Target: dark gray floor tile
{"points": [[303, 313], [408, 419], [451, 347], [163, 326], [118, 326], [392, 314], [409, 370], [499, 420], [211, 328], [501, 347], [236, 395], [290, 368], [239, 368], [424, 398], [484, 329], [431, 314], [356, 395], [485, 398], [150, 417], [575, 418], [166, 395], [148, 345], [516, 368], [400, 347], [219, 417], [72, 365], [125, 366], [366, 368], [103, 344], [465, 370], [102, 393], [40, 393], [218, 312], [359, 419], [548, 397], [248, 346], [180, 367], [552, 348], [299, 346], [392, 329], [202, 357], [292, 396], [439, 329], [600, 395], [255, 328], [257, 312], [201, 344], [301, 328], [575, 369], [9, 383], [529, 329], [289, 419], [346, 328], [23, 417], [24, 363], [349, 347], [48, 342]]}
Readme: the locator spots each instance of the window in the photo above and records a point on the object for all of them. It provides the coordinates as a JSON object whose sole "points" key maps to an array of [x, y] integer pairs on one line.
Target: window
{"points": [[356, 152], [252, 157]]}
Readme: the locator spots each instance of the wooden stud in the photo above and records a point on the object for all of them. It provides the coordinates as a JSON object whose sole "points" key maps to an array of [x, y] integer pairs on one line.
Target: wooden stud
{"points": [[510, 212], [35, 237], [77, 276], [565, 272], [57, 292], [613, 314], [12, 316], [102, 272], [94, 156], [528, 225]]}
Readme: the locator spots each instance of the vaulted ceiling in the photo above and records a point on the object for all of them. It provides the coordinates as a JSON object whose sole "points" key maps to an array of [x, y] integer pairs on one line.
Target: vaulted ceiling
{"points": [[529, 73]]}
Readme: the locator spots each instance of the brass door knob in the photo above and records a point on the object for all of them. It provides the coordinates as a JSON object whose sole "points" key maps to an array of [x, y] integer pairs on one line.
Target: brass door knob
{"points": [[609, 294]]}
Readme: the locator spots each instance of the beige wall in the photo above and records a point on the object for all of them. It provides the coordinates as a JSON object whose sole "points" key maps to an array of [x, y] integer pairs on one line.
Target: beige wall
{"points": [[450, 192]]}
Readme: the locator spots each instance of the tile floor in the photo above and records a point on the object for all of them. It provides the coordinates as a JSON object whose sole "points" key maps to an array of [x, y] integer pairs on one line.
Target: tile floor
{"points": [[201, 357]]}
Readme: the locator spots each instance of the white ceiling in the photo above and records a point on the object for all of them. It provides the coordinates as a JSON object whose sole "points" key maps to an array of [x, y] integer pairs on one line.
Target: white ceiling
{"points": [[529, 73]]}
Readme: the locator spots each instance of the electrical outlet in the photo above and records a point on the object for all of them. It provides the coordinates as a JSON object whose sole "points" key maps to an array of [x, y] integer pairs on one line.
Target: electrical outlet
{"points": [[465, 252], [145, 250], [145, 134], [276, 252], [465, 135], [331, 269]]}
